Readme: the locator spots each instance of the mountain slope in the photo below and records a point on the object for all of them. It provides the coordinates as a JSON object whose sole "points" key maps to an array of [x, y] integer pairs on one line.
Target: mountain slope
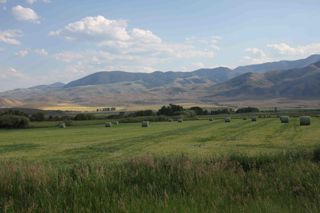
{"points": [[208, 85], [155, 79], [280, 65], [294, 83]]}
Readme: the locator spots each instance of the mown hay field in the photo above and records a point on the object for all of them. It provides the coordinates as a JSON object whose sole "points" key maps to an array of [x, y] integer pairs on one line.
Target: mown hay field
{"points": [[193, 166], [92, 141]]}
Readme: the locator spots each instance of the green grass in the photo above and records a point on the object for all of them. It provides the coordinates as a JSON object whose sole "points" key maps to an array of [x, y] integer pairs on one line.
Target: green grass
{"points": [[194, 166], [91, 141], [281, 183]]}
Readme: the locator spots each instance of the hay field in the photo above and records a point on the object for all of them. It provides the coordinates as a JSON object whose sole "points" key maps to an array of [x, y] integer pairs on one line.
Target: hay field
{"points": [[92, 141], [193, 166]]}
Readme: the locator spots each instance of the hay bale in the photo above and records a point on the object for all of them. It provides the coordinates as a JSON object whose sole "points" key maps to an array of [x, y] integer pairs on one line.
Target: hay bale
{"points": [[145, 124], [115, 123], [284, 119], [210, 119], [180, 120], [227, 119], [108, 124], [254, 118], [170, 120], [305, 121], [62, 125], [244, 118]]}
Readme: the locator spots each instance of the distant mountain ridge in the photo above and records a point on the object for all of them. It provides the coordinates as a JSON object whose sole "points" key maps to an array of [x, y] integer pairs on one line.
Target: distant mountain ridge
{"points": [[155, 79], [268, 80], [301, 83], [279, 65]]}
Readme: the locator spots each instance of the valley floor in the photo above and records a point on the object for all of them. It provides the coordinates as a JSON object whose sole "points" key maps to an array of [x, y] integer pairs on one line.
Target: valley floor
{"points": [[90, 140], [194, 166]]}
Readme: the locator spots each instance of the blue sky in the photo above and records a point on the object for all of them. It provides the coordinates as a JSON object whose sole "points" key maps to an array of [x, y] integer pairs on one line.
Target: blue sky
{"points": [[44, 41]]}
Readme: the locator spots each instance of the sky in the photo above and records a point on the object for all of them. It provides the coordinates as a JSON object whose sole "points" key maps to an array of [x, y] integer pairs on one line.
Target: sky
{"points": [[47, 41]]}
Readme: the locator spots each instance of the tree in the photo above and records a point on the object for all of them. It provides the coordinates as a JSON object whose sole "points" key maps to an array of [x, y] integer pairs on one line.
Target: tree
{"points": [[197, 110], [247, 110], [39, 116], [14, 121], [171, 110], [83, 117], [143, 113]]}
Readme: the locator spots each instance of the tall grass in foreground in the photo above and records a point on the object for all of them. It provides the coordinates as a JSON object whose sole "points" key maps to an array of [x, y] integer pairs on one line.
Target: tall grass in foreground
{"points": [[282, 183]]}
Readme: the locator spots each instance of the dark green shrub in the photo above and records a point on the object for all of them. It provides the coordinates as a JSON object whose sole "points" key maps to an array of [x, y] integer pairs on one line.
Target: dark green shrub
{"points": [[39, 116], [14, 122], [143, 113], [171, 110], [247, 110], [84, 117]]}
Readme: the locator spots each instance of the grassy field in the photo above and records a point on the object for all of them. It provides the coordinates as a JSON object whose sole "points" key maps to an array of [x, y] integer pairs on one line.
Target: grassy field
{"points": [[90, 140], [194, 166]]}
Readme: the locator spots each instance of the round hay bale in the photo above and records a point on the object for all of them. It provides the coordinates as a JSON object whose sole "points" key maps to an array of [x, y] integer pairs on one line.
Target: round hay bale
{"points": [[305, 121], [115, 123], [227, 119], [62, 125], [284, 119], [180, 120], [108, 124], [145, 124], [254, 118]]}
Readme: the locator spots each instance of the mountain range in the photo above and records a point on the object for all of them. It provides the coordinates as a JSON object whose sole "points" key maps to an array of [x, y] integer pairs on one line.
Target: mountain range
{"points": [[298, 79]]}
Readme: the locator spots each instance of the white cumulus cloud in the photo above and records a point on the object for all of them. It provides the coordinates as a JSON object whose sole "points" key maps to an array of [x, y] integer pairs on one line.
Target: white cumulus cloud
{"points": [[116, 46], [10, 36], [25, 14], [94, 27]]}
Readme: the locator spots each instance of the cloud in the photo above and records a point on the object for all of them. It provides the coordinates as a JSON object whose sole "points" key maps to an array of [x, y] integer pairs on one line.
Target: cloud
{"points": [[302, 50], [41, 52], [280, 51], [35, 1], [25, 14], [114, 46], [97, 27], [115, 36], [22, 53], [10, 36]]}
